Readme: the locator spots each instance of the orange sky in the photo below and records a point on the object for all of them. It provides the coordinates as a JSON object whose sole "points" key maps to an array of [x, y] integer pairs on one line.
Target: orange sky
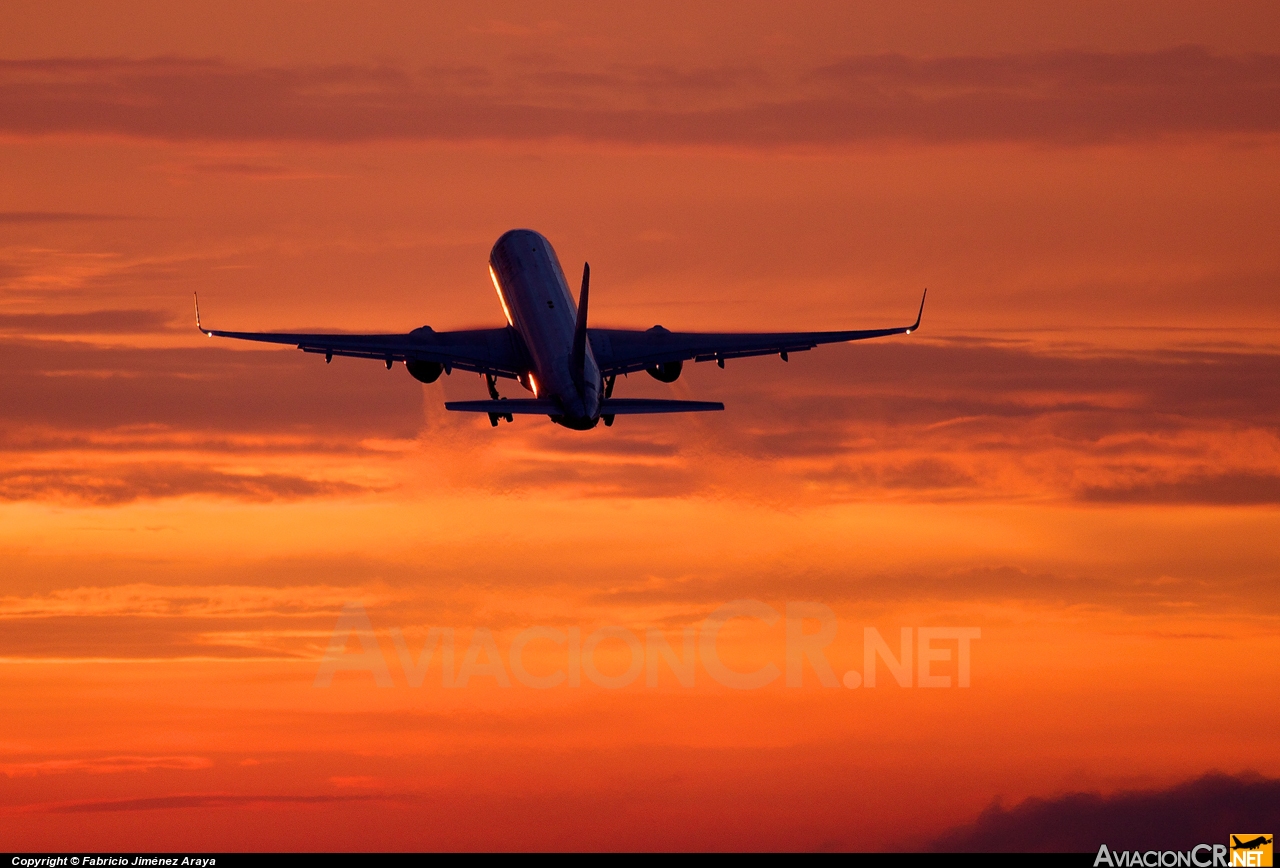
{"points": [[1078, 454]]}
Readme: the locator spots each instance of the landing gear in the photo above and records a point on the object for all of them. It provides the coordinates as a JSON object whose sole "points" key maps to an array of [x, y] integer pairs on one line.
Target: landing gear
{"points": [[608, 393], [492, 382]]}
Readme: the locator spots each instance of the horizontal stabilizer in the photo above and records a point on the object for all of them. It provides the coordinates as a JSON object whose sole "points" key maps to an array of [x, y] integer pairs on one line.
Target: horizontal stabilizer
{"points": [[609, 407], [535, 406], [636, 406]]}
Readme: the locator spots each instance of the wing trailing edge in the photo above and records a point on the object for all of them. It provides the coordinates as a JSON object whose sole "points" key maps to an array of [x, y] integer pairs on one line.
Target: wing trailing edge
{"points": [[498, 352], [622, 351]]}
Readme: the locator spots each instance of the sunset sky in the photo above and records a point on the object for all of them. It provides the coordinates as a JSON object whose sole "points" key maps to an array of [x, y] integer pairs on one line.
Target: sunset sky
{"points": [[1078, 453]]}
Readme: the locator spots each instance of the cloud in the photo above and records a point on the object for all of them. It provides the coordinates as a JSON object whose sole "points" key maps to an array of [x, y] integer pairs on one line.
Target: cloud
{"points": [[919, 473], [1060, 97], [692, 595], [70, 386], [88, 322], [34, 275], [1205, 810], [187, 601], [110, 425], [141, 638], [1219, 489], [1121, 412], [939, 421], [210, 801], [110, 486], [155, 622], [104, 765], [56, 217], [246, 170]]}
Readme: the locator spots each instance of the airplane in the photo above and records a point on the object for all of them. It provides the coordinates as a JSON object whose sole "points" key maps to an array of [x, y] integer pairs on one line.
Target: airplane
{"points": [[548, 349], [1251, 844]]}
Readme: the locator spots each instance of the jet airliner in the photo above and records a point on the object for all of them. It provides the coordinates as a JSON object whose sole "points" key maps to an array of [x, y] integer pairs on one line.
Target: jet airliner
{"points": [[1251, 844], [548, 349]]}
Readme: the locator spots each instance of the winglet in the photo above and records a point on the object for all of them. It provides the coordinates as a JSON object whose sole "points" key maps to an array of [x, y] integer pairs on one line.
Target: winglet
{"points": [[202, 331], [920, 315]]}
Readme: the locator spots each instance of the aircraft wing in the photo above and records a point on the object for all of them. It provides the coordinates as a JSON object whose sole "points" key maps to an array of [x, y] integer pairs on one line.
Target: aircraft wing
{"points": [[621, 351], [485, 351]]}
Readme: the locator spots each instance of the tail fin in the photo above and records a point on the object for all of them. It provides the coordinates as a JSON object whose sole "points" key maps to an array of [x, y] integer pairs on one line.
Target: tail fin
{"points": [[578, 358]]}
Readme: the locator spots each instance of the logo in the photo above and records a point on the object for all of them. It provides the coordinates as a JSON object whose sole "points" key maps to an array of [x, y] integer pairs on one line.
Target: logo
{"points": [[1246, 851], [921, 652], [1251, 851]]}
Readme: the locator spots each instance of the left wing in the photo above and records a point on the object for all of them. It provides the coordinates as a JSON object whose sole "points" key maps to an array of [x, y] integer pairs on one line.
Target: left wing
{"points": [[486, 351], [621, 351]]}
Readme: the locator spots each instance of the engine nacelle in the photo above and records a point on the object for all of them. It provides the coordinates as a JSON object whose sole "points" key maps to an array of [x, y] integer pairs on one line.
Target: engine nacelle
{"points": [[424, 372], [666, 372]]}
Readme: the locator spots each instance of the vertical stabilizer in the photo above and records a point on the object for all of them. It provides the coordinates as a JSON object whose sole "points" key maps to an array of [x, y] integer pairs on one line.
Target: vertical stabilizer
{"points": [[578, 357]]}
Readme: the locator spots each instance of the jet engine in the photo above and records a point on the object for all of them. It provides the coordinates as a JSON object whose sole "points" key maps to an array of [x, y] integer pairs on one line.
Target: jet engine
{"points": [[424, 372], [666, 372]]}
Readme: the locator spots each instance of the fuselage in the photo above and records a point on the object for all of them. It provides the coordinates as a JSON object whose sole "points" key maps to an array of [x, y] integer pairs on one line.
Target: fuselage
{"points": [[538, 305]]}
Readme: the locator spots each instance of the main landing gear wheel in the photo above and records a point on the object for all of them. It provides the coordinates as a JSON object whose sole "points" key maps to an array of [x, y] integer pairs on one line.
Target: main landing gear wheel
{"points": [[492, 382]]}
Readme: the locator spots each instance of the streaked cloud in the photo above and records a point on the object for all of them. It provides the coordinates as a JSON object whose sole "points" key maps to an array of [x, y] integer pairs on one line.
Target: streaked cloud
{"points": [[87, 322], [1219, 489], [936, 422], [106, 765], [69, 385], [189, 601], [1064, 97], [211, 801], [107, 486], [145, 622], [19, 217]]}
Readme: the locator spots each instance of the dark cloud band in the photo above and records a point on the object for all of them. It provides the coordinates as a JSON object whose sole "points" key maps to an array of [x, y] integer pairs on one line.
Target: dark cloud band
{"points": [[1062, 97]]}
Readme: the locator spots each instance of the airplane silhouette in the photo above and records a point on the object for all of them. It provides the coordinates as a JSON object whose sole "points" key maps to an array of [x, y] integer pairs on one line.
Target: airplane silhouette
{"points": [[1251, 844], [547, 347]]}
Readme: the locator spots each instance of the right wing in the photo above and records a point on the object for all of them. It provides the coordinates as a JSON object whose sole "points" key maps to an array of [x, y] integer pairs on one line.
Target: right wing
{"points": [[622, 351], [484, 351]]}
